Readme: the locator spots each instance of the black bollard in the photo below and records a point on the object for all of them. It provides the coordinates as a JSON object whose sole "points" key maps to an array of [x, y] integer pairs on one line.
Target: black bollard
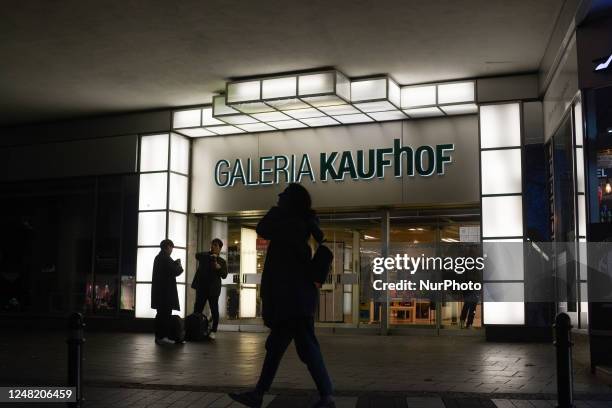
{"points": [[563, 343], [75, 356]]}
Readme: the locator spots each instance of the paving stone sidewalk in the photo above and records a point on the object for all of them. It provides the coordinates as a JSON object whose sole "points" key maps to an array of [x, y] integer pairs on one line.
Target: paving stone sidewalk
{"points": [[358, 364], [103, 397]]}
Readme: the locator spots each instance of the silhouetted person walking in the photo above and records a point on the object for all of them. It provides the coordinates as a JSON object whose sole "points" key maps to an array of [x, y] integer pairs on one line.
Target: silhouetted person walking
{"points": [[207, 281], [164, 296], [289, 294]]}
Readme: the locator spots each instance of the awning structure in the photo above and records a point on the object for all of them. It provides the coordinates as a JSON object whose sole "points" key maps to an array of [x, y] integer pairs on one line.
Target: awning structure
{"points": [[325, 98]]}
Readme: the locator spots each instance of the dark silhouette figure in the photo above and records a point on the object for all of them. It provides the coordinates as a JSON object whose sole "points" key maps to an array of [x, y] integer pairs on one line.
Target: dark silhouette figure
{"points": [[164, 296], [468, 311], [289, 293], [207, 281]]}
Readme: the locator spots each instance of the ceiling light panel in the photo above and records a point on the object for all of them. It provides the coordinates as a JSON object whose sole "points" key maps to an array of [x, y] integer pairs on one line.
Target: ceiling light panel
{"points": [[288, 104], [345, 109], [196, 132], [324, 88], [460, 109], [376, 89], [238, 119], [416, 96], [275, 88], [253, 107], [305, 113], [243, 91], [256, 127], [357, 118], [423, 112], [186, 118], [287, 124], [225, 130], [271, 116], [207, 118], [388, 115], [456, 92], [322, 121]]}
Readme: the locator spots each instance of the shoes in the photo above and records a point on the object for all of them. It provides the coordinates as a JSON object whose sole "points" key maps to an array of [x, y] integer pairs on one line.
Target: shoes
{"points": [[325, 402], [462, 324], [163, 341], [212, 336], [251, 399]]}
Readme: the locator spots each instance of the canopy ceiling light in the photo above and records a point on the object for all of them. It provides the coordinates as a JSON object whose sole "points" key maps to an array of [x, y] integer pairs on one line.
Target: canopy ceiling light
{"points": [[324, 98]]}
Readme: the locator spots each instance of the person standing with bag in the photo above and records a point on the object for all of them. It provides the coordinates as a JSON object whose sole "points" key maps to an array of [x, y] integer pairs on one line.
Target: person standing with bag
{"points": [[289, 293], [207, 282], [164, 295]]}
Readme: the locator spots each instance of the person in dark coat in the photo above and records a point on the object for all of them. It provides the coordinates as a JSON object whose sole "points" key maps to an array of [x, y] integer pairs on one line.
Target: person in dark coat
{"points": [[164, 295], [289, 294], [207, 281]]}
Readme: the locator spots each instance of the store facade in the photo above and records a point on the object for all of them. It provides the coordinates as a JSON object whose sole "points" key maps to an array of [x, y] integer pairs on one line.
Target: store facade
{"points": [[391, 168]]}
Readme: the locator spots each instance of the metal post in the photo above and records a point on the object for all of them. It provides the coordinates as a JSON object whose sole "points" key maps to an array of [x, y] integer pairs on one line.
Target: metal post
{"points": [[563, 343], [384, 240], [75, 356]]}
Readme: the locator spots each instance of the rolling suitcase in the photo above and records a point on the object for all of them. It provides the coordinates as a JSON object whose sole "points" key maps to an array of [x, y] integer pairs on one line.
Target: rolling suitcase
{"points": [[196, 327]]}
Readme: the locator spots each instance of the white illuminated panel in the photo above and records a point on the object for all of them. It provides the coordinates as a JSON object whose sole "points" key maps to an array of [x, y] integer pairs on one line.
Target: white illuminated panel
{"points": [[390, 115], [347, 306], [179, 154], [578, 132], [154, 153], [253, 107], [502, 216], [423, 112], [504, 312], [504, 260], [243, 91], [456, 92], [343, 86], [248, 265], [288, 104], [225, 130], [339, 110], [379, 106], [239, 119], [415, 96], [207, 118], [181, 254], [326, 100], [323, 121], [462, 109], [153, 187], [501, 171], [151, 228], [256, 127], [305, 113], [177, 229], [144, 264], [287, 124], [271, 116], [143, 301], [197, 132], [360, 117], [316, 84], [579, 170], [178, 192], [188, 118], [500, 125], [581, 215], [394, 93], [279, 88], [221, 108], [369, 89]]}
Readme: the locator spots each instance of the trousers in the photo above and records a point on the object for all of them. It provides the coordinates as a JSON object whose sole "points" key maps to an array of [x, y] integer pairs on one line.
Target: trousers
{"points": [[301, 331], [213, 302], [162, 323]]}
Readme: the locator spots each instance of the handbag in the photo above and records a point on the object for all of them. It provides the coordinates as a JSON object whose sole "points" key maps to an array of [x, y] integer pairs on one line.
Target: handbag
{"points": [[321, 263]]}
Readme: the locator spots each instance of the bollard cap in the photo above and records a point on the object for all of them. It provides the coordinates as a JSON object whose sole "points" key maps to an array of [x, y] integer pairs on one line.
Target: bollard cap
{"points": [[76, 321], [563, 321]]}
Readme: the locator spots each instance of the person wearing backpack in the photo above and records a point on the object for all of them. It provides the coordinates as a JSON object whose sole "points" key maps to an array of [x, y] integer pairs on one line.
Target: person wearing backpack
{"points": [[207, 282], [289, 293]]}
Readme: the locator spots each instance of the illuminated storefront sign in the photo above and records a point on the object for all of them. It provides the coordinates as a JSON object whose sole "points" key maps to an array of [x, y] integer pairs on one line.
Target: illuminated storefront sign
{"points": [[424, 161]]}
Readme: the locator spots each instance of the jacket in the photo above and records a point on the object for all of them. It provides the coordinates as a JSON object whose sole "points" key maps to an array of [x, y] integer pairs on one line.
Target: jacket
{"points": [[207, 278], [287, 283], [163, 289]]}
